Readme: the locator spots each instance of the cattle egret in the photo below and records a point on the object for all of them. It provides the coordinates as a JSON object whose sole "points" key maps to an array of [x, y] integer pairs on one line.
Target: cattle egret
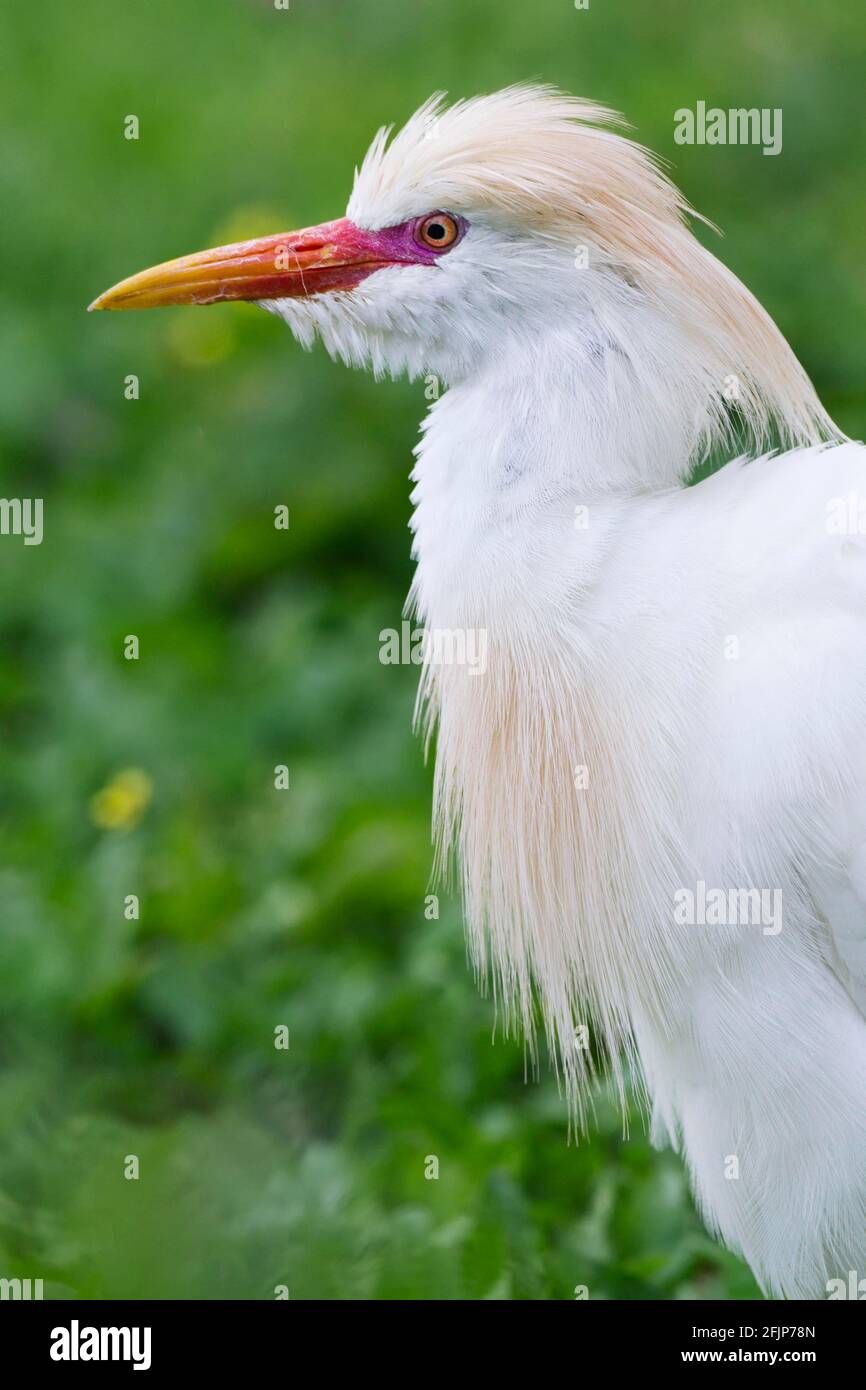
{"points": [[656, 786]]}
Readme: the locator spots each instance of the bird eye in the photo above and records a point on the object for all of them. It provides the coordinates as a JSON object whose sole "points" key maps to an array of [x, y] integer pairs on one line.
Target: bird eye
{"points": [[438, 231]]}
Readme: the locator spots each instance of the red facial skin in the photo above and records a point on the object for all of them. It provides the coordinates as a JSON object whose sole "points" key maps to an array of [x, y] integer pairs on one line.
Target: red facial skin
{"points": [[334, 256]]}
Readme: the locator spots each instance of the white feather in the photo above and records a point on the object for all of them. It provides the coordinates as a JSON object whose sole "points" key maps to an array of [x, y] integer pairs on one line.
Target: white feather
{"points": [[698, 651]]}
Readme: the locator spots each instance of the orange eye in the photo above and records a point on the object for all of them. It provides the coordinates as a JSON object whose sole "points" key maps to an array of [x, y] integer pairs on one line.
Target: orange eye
{"points": [[438, 231]]}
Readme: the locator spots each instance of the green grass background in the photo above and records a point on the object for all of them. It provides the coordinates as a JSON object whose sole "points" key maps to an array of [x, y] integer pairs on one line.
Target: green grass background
{"points": [[154, 1037]]}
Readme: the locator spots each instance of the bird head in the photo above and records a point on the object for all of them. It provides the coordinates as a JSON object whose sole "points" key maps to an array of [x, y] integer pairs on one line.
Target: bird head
{"points": [[504, 228]]}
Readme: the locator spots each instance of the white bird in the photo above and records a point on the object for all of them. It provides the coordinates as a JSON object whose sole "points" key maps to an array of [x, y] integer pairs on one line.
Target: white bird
{"points": [[656, 787]]}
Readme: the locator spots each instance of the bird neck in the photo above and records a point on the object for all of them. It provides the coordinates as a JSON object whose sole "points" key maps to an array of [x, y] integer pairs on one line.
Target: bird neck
{"points": [[548, 759], [526, 468]]}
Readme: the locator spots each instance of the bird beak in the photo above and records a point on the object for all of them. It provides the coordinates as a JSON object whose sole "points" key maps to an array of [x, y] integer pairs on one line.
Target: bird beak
{"points": [[334, 256]]}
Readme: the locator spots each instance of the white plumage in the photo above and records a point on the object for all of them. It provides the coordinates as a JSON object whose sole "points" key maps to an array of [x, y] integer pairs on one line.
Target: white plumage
{"points": [[674, 700], [699, 651]]}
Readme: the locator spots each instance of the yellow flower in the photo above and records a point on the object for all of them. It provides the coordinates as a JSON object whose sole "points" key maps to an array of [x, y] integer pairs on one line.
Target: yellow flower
{"points": [[121, 804]]}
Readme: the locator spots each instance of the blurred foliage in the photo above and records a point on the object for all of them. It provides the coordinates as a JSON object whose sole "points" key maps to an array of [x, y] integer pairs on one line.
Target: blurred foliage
{"points": [[304, 908]]}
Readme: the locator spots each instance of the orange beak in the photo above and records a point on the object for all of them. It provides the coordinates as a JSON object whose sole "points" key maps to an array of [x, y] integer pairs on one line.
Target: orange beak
{"points": [[334, 256]]}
